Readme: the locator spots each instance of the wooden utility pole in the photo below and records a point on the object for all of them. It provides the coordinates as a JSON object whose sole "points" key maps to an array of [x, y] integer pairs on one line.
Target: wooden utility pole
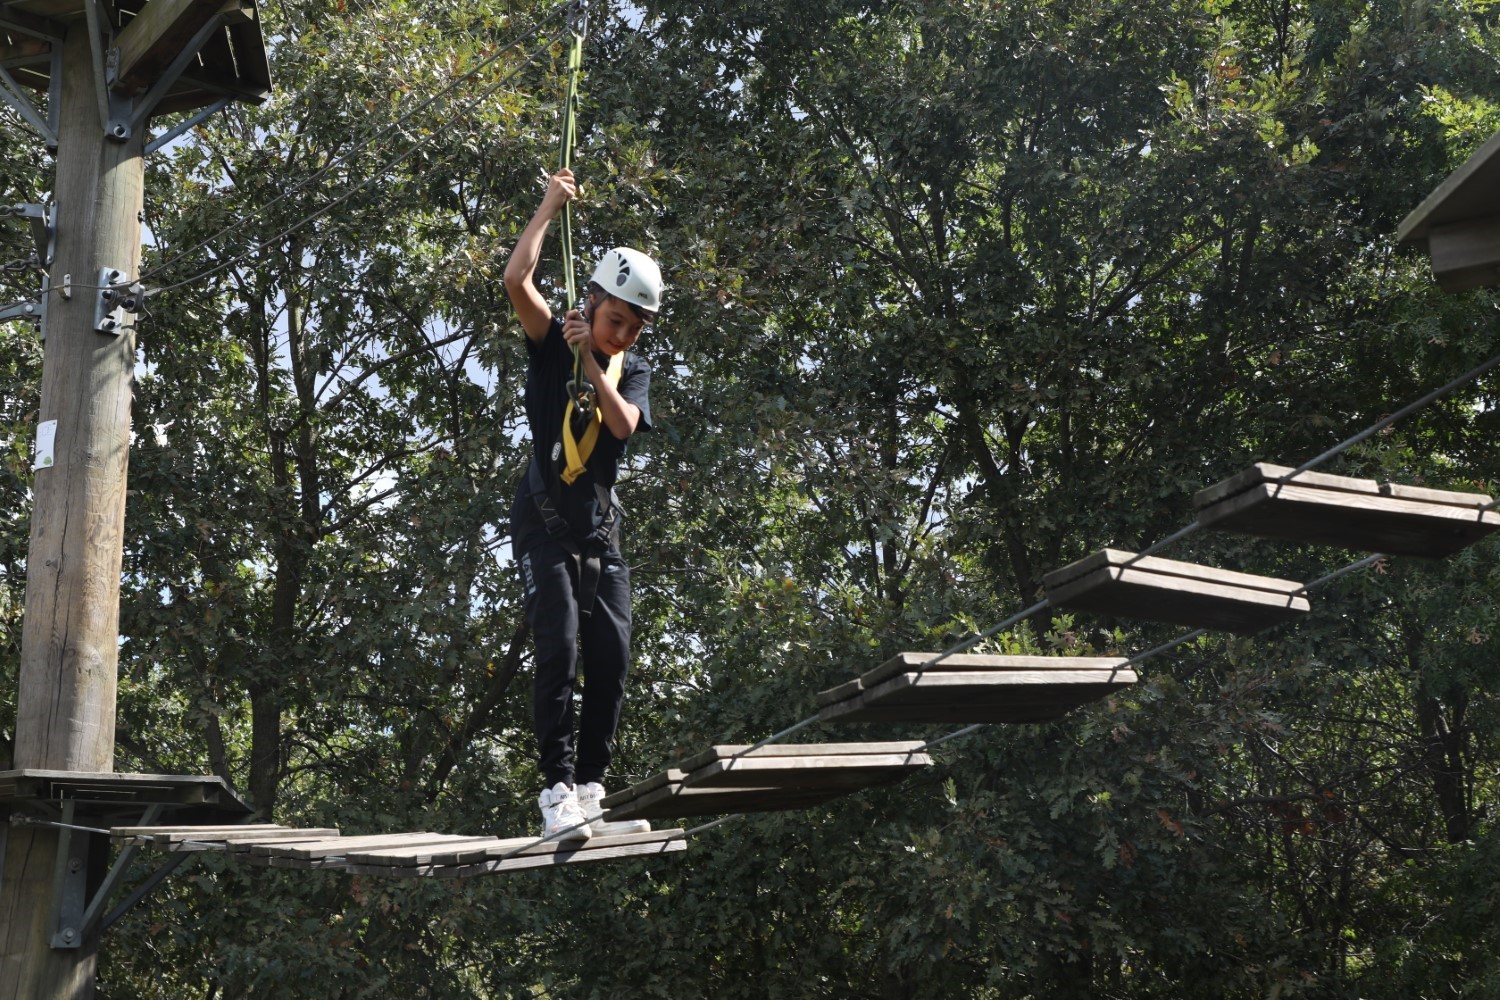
{"points": [[65, 708], [107, 73]]}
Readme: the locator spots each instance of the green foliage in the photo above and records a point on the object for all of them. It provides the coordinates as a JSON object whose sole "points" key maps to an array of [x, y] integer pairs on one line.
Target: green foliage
{"points": [[959, 291]]}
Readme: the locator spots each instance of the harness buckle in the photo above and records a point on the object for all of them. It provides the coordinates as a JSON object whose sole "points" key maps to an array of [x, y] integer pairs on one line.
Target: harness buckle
{"points": [[584, 398]]}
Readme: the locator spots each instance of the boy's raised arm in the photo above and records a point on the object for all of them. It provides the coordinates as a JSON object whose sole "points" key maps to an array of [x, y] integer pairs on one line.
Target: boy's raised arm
{"points": [[531, 308]]}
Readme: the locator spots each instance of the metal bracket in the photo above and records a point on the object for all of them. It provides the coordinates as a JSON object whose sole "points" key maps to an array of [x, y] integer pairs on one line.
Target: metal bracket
{"points": [[196, 118], [32, 309], [43, 228], [14, 95], [115, 111], [116, 297], [141, 891], [70, 883], [95, 912]]}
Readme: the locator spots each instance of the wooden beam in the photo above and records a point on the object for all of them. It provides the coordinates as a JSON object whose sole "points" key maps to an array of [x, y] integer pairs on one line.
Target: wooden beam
{"points": [[36, 18], [1466, 255], [44, 8], [24, 51], [147, 45], [1469, 193]]}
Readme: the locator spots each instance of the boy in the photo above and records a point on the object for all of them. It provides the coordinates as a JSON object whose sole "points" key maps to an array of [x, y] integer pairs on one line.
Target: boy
{"points": [[565, 522]]}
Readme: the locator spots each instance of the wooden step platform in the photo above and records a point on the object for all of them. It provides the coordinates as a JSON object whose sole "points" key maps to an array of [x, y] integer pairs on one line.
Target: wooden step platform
{"points": [[177, 839], [397, 855], [971, 687], [489, 857], [1458, 224], [1112, 582], [109, 797], [1350, 513], [726, 779]]}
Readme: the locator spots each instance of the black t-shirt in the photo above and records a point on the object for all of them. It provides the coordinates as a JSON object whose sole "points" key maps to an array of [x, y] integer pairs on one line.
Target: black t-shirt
{"points": [[549, 368]]}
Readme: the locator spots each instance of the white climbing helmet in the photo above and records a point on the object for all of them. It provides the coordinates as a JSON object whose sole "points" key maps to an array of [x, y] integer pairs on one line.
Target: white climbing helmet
{"points": [[630, 276]]}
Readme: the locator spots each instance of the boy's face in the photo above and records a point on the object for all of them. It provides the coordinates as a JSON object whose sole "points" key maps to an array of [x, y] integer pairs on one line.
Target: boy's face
{"points": [[616, 326]]}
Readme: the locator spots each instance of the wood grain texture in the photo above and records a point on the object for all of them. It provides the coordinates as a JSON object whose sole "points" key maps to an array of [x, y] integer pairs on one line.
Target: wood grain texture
{"points": [[1178, 601], [1470, 192], [67, 680], [149, 42], [343, 845], [1466, 254], [804, 772], [495, 867], [678, 800], [904, 663], [66, 697], [1117, 559], [775, 750], [1022, 697], [1403, 523]]}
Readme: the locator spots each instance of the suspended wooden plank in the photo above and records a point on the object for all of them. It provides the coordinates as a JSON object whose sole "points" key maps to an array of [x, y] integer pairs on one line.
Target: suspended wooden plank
{"points": [[463, 850], [213, 837], [1112, 582], [814, 768], [332, 852], [1458, 224], [971, 687], [770, 778], [221, 841], [918, 687], [655, 842], [677, 800], [1350, 513], [227, 835], [145, 833]]}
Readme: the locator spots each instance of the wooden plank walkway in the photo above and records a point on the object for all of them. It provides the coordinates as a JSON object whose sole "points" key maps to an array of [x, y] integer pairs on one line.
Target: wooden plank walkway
{"points": [[1112, 582], [725, 779], [395, 855], [1350, 513], [973, 687]]}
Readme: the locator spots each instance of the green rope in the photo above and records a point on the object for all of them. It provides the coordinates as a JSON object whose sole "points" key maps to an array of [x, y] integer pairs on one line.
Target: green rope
{"points": [[577, 26]]}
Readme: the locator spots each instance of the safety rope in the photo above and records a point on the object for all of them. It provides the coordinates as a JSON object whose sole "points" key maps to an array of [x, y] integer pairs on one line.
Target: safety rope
{"points": [[568, 141]]}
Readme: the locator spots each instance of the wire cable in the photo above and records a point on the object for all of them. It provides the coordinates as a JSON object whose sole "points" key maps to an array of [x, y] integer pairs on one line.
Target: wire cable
{"points": [[1410, 408]]}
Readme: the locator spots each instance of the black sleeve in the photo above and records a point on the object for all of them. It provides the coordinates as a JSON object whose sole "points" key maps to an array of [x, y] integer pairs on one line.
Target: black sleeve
{"points": [[553, 343], [635, 387]]}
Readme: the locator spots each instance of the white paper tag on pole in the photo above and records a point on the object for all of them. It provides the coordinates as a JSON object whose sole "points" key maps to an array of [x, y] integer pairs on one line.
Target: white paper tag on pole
{"points": [[46, 435]]}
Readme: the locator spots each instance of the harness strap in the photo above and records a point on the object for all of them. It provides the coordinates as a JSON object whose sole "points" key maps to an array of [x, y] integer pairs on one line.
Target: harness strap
{"points": [[557, 526], [578, 451], [587, 556]]}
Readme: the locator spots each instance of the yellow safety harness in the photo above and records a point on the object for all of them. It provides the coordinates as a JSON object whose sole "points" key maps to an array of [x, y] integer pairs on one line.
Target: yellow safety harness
{"points": [[578, 451]]}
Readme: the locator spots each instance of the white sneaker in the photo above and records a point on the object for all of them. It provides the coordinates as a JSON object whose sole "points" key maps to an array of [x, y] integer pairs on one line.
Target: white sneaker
{"points": [[590, 797], [561, 816]]}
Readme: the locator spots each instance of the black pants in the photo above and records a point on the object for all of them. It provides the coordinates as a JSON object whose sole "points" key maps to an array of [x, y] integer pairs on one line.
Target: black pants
{"points": [[549, 574]]}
